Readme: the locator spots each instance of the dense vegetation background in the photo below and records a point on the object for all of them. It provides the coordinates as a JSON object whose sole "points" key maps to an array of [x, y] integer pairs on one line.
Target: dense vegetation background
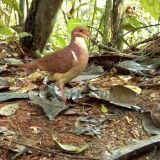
{"points": [[118, 24]]}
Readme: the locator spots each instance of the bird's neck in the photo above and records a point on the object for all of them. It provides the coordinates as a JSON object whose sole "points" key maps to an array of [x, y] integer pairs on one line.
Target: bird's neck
{"points": [[79, 41]]}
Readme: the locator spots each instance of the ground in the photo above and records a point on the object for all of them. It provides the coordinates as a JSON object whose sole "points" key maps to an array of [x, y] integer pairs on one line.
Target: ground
{"points": [[33, 128]]}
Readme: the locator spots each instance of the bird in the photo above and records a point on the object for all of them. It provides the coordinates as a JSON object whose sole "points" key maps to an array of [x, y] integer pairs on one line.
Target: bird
{"points": [[65, 64]]}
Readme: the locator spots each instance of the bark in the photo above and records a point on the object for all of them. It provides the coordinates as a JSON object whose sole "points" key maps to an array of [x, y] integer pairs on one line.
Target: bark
{"points": [[39, 23], [21, 17], [107, 18], [118, 11]]}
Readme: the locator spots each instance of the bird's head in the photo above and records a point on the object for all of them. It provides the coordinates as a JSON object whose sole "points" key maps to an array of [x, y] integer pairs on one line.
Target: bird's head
{"points": [[80, 31]]}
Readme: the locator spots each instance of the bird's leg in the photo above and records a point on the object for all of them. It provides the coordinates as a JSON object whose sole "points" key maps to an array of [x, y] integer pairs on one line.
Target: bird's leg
{"points": [[62, 96], [45, 80]]}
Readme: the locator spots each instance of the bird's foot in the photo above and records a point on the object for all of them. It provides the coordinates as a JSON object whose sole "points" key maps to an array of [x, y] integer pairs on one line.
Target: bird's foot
{"points": [[63, 98]]}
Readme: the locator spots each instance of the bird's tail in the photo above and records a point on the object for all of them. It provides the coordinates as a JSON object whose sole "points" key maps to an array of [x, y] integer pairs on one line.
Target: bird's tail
{"points": [[28, 67]]}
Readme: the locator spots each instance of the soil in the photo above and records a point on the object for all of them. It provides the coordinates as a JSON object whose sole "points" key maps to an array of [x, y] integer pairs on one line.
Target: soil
{"points": [[33, 128]]}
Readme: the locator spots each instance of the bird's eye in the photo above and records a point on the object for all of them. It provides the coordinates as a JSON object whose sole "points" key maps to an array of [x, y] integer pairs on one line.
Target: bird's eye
{"points": [[81, 30]]}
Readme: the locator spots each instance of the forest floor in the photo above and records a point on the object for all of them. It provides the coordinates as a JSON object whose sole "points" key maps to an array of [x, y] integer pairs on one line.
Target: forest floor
{"points": [[33, 128], [28, 134]]}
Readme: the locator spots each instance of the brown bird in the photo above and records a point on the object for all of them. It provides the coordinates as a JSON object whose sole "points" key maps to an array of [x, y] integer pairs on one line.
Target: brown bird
{"points": [[67, 63]]}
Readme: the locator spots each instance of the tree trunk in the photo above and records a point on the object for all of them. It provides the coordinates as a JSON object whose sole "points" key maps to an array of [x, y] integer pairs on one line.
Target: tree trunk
{"points": [[21, 17], [118, 11], [107, 21], [39, 24]]}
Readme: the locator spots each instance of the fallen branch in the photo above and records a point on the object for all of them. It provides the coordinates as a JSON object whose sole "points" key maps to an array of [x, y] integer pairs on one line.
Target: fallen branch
{"points": [[113, 51], [149, 85], [57, 152], [134, 150]]}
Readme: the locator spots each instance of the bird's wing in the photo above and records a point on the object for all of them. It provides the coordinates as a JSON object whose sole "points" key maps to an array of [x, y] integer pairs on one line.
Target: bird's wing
{"points": [[58, 62]]}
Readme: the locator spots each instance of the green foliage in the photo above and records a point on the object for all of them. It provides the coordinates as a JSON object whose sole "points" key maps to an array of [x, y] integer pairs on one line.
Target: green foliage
{"points": [[58, 41], [152, 6], [13, 4], [73, 22], [5, 30], [130, 23], [86, 12], [3, 11], [78, 7], [24, 34]]}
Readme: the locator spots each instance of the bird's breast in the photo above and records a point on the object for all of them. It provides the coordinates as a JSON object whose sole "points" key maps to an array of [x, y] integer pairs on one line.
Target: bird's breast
{"points": [[80, 59]]}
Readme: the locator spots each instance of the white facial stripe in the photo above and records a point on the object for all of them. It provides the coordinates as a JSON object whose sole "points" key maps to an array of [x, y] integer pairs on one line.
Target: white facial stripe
{"points": [[74, 56]]}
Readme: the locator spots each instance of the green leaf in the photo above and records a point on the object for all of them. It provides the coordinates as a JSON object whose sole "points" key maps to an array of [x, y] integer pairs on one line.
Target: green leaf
{"points": [[70, 148], [3, 11], [131, 22], [74, 22], [9, 109], [60, 40], [104, 109], [78, 7], [127, 27], [51, 108], [5, 96], [100, 10], [134, 21], [24, 34], [5, 30], [13, 4], [152, 6]]}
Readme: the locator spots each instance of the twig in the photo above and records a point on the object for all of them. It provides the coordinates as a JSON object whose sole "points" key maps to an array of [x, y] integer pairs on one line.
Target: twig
{"points": [[22, 152], [98, 30], [57, 153], [102, 46], [133, 30], [110, 117], [154, 37], [20, 49], [114, 51], [64, 15], [149, 85]]}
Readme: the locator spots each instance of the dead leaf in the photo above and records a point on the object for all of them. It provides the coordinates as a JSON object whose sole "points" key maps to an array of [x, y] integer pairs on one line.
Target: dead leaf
{"points": [[12, 95], [92, 71], [70, 148], [125, 97], [103, 108], [9, 109], [3, 83], [70, 93], [134, 89], [87, 125], [50, 108], [27, 88], [6, 132], [148, 124], [133, 150], [118, 95], [13, 61], [134, 66]]}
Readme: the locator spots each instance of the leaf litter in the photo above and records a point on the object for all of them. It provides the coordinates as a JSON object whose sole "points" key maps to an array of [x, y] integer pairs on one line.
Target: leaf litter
{"points": [[108, 107]]}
